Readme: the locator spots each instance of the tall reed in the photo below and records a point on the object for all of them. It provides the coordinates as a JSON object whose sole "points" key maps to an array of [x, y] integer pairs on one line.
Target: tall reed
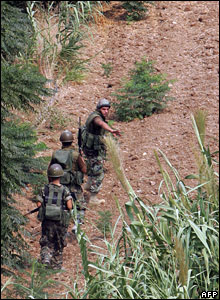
{"points": [[163, 251]]}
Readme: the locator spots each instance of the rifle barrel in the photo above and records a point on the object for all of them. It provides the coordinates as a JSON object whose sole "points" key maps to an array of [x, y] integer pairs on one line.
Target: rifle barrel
{"points": [[32, 211]]}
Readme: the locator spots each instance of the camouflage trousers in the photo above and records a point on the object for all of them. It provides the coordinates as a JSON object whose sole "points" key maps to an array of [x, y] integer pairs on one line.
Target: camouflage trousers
{"points": [[95, 172], [52, 242], [78, 197]]}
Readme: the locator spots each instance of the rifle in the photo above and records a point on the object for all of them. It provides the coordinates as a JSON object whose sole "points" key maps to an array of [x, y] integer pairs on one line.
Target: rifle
{"points": [[32, 211], [80, 137]]}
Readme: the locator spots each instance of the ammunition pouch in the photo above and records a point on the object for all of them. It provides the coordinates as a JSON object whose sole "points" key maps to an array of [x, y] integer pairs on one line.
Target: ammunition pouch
{"points": [[53, 212]]}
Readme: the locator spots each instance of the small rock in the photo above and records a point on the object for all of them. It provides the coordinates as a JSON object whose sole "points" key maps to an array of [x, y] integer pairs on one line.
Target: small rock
{"points": [[134, 157]]}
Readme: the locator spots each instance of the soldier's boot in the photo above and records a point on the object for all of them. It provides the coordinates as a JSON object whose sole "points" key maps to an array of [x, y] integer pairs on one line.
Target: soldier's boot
{"points": [[88, 184], [46, 260], [94, 200]]}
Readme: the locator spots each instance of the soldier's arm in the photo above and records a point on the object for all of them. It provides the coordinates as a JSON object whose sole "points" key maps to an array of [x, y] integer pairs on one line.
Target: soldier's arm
{"points": [[40, 199], [98, 121], [82, 164], [69, 204], [68, 199]]}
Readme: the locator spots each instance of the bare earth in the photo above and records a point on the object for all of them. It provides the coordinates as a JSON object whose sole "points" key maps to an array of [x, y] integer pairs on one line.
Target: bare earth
{"points": [[183, 38]]}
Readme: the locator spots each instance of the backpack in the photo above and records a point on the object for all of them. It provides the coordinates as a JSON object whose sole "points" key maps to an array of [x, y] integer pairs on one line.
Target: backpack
{"points": [[53, 202], [64, 158], [53, 206]]}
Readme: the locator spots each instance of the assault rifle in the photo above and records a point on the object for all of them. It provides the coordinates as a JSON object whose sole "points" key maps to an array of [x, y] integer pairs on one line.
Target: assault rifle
{"points": [[80, 137], [32, 211]]}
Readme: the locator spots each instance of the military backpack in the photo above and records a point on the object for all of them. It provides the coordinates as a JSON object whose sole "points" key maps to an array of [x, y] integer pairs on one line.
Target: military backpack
{"points": [[65, 159], [53, 206]]}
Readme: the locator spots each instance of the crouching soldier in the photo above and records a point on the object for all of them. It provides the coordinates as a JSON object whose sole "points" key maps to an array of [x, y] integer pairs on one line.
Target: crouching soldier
{"points": [[55, 202]]}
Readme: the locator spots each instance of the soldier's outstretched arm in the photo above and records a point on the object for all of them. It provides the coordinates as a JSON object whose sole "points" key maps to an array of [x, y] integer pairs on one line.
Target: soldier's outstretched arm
{"points": [[98, 121]]}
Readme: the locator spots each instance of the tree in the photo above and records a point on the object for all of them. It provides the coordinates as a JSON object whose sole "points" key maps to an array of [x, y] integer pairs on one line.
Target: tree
{"points": [[22, 87]]}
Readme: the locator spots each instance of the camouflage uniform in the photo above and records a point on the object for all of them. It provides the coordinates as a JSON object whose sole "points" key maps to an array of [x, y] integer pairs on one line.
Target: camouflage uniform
{"points": [[53, 234], [95, 152], [75, 189], [95, 172]]}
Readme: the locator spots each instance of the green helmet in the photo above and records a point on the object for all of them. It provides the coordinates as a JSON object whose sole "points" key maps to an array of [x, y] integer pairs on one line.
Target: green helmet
{"points": [[103, 103], [66, 136], [55, 170]]}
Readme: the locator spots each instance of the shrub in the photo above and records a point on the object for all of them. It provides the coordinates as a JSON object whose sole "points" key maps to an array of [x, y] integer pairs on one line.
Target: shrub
{"points": [[135, 9], [142, 95], [107, 69]]}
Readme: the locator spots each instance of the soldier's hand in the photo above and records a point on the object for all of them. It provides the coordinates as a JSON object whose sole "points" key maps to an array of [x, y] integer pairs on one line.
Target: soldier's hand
{"points": [[116, 132]]}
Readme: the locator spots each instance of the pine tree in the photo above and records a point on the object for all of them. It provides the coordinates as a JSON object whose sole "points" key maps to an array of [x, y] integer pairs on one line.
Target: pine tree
{"points": [[22, 87]]}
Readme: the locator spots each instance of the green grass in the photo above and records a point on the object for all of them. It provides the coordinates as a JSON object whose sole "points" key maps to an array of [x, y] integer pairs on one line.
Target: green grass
{"points": [[164, 251]]}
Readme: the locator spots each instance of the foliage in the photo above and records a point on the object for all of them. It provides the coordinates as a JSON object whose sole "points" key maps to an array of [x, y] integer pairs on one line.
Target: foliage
{"points": [[164, 251], [169, 250], [107, 69], [13, 39], [22, 87], [60, 38], [57, 119], [104, 222], [33, 284], [142, 95], [135, 9], [18, 168]]}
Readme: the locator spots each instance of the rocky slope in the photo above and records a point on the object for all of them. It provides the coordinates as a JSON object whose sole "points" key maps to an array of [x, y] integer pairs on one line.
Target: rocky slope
{"points": [[182, 38]]}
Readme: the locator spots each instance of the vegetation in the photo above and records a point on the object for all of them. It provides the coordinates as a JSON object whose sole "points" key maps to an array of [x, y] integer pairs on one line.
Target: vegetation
{"points": [[169, 250], [22, 87], [104, 223], [143, 94], [135, 9], [164, 251], [107, 69], [58, 37]]}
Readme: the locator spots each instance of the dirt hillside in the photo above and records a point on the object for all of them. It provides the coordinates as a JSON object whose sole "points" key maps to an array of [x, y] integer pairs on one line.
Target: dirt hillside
{"points": [[183, 38]]}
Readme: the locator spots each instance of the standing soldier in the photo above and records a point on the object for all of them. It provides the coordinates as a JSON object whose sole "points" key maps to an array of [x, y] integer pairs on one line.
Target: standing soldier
{"points": [[94, 148], [74, 168], [55, 203]]}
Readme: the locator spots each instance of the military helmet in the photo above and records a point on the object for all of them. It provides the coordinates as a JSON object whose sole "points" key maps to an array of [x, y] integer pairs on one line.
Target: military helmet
{"points": [[103, 103], [55, 170], [66, 136]]}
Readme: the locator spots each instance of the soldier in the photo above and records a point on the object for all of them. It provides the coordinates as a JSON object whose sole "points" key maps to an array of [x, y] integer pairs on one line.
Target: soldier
{"points": [[74, 168], [94, 148], [55, 202]]}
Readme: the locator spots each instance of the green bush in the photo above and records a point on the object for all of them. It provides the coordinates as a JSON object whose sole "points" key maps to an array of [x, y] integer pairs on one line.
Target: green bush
{"points": [[107, 69], [135, 9], [143, 94]]}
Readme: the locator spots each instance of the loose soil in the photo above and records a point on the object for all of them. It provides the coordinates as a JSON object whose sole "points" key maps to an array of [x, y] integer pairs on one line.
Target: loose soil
{"points": [[182, 37]]}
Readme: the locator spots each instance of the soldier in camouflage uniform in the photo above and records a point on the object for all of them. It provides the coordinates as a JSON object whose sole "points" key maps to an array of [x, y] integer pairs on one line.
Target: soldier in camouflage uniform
{"points": [[94, 148], [55, 203], [74, 169]]}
